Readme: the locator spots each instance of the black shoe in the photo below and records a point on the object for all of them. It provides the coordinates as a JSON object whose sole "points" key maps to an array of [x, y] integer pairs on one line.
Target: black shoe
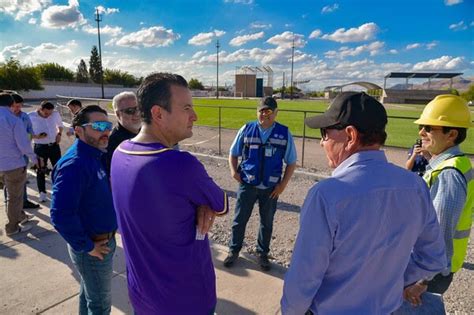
{"points": [[264, 262], [230, 259], [30, 205]]}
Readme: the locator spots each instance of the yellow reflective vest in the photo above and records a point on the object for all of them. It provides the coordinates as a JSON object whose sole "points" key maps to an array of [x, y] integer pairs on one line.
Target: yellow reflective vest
{"points": [[463, 228]]}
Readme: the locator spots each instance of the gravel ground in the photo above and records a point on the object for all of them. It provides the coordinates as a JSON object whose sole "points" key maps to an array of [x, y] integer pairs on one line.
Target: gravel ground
{"points": [[459, 299]]}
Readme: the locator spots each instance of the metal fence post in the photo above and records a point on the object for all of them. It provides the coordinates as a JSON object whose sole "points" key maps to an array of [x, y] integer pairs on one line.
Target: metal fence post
{"points": [[220, 127], [304, 138]]}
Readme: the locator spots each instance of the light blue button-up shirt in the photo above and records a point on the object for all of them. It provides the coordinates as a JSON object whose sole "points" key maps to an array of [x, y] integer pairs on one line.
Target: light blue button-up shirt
{"points": [[14, 141], [365, 233]]}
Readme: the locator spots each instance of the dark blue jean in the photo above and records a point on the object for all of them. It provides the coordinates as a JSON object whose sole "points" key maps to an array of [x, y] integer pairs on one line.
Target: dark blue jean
{"points": [[247, 195], [96, 280]]}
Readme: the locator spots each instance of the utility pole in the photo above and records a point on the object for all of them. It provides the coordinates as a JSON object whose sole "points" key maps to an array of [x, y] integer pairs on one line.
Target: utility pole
{"points": [[283, 87], [292, 59], [98, 19], [217, 87]]}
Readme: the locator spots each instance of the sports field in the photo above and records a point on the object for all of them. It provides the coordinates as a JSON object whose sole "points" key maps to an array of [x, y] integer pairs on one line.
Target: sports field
{"points": [[402, 132]]}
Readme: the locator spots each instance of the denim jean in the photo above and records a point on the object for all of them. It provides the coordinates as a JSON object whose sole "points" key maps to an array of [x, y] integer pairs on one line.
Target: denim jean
{"points": [[96, 280], [247, 195], [432, 304]]}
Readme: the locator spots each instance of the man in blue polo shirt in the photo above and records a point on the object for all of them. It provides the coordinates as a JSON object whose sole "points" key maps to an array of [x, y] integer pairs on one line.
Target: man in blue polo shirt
{"points": [[85, 216], [263, 146]]}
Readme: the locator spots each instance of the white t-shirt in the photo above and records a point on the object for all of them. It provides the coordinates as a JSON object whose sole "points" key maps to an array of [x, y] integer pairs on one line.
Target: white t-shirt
{"points": [[49, 125]]}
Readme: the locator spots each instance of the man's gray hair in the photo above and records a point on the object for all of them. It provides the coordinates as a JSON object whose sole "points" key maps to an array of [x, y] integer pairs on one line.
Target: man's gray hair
{"points": [[122, 96]]}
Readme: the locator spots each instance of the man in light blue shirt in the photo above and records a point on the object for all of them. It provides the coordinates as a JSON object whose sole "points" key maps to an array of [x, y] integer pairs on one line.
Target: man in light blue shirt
{"points": [[366, 232], [263, 146], [14, 145]]}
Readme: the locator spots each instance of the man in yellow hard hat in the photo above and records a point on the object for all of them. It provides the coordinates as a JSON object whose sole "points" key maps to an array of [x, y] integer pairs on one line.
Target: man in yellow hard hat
{"points": [[443, 126]]}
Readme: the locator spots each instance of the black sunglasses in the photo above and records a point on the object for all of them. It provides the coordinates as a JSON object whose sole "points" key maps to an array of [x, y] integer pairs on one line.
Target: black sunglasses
{"points": [[324, 134], [130, 110], [428, 128]]}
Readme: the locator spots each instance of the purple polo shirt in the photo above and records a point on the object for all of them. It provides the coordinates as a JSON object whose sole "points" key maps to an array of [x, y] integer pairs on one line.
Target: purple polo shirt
{"points": [[156, 194]]}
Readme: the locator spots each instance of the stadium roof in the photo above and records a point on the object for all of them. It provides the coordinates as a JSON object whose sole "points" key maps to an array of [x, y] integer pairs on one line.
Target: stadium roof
{"points": [[423, 75], [367, 85]]}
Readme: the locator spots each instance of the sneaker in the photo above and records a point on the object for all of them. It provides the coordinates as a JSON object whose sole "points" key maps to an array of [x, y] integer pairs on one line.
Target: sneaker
{"points": [[42, 197], [27, 218], [30, 205], [230, 259], [264, 262], [21, 228]]}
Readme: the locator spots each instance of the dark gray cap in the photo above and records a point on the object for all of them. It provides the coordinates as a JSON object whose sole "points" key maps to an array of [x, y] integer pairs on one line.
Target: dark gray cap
{"points": [[268, 102]]}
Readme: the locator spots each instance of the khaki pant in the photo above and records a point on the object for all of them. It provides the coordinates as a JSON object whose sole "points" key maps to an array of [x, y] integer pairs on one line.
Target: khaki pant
{"points": [[13, 181]]}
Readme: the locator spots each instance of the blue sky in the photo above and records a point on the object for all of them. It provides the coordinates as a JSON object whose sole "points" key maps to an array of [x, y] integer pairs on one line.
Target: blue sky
{"points": [[335, 41]]}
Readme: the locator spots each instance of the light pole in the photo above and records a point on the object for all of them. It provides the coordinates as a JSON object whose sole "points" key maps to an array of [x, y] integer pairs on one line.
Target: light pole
{"points": [[98, 19], [217, 87], [292, 59]]}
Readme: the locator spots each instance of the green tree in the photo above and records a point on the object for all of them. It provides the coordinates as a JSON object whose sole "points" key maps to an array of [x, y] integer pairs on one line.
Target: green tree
{"points": [[54, 72], [95, 67], [14, 76], [469, 94], [82, 75], [119, 77], [195, 84]]}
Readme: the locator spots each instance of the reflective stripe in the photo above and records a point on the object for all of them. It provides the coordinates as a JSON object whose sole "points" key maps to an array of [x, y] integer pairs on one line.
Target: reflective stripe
{"points": [[273, 179], [469, 175], [462, 234], [252, 140], [277, 141]]}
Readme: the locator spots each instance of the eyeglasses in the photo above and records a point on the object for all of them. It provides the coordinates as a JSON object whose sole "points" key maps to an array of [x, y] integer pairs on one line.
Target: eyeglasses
{"points": [[324, 133], [266, 111], [428, 128], [99, 125], [130, 111]]}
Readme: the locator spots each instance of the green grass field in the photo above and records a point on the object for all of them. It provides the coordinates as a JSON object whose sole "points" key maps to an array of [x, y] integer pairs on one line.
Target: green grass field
{"points": [[401, 132]]}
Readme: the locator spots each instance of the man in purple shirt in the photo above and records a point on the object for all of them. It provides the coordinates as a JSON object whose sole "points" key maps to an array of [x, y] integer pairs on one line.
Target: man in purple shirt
{"points": [[165, 203]]}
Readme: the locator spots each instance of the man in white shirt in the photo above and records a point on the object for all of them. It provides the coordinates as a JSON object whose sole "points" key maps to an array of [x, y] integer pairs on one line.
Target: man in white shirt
{"points": [[47, 128]]}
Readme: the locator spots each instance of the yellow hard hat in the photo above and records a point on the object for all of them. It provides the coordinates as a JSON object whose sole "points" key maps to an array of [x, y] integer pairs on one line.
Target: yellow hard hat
{"points": [[446, 110]]}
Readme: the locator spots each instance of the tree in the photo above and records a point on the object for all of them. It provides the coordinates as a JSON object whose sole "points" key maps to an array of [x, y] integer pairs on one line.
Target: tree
{"points": [[82, 75], [469, 94], [120, 77], [95, 67], [54, 72], [14, 76], [195, 84]]}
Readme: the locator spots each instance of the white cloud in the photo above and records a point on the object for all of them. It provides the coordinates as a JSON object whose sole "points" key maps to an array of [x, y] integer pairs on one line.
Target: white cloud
{"points": [[199, 54], [243, 39], [63, 16], [285, 40], [364, 32], [442, 63], [452, 2], [315, 34], [330, 8], [458, 26], [22, 8], [106, 11], [413, 46], [104, 30], [431, 45], [239, 1], [393, 51], [259, 25], [64, 54], [32, 21], [373, 49], [205, 38], [155, 36]]}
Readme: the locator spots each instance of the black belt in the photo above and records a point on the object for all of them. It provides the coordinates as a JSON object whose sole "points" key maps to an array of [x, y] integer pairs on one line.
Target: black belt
{"points": [[46, 144], [102, 237]]}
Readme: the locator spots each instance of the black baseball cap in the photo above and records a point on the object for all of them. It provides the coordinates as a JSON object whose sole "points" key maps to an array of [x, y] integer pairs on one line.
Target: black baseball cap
{"points": [[352, 108], [268, 102]]}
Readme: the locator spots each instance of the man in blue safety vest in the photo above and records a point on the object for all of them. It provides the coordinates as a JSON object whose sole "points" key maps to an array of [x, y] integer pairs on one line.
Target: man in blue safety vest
{"points": [[263, 146]]}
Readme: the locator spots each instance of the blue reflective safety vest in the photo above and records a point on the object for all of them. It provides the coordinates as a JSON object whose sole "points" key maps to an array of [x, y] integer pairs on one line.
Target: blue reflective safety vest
{"points": [[263, 162]]}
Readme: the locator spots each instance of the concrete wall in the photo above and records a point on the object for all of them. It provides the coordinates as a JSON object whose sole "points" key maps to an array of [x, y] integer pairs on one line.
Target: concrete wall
{"points": [[51, 89]]}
